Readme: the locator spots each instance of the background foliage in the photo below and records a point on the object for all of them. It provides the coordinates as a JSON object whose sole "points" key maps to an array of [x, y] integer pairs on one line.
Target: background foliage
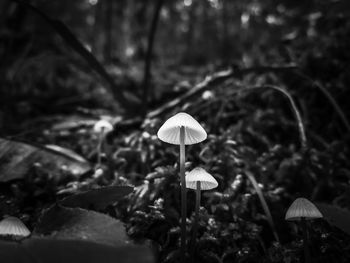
{"points": [[219, 58]]}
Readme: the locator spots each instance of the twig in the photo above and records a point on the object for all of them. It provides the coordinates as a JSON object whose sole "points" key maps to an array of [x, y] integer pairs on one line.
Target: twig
{"points": [[303, 140], [214, 80], [296, 112], [301, 128], [219, 77]]}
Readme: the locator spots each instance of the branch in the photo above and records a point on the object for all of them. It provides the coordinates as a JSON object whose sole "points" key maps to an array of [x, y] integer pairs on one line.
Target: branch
{"points": [[219, 77], [301, 128], [214, 80], [303, 140]]}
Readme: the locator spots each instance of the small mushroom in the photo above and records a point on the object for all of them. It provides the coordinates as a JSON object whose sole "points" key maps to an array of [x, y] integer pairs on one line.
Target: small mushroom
{"points": [[102, 127], [182, 129], [13, 228], [302, 209], [198, 179]]}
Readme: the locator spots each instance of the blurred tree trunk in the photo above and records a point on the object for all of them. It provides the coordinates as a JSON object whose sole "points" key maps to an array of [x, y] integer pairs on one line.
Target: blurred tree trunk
{"points": [[4, 10], [12, 36], [95, 36], [225, 40], [204, 50], [108, 30], [192, 18], [12, 41], [141, 22], [148, 60], [126, 29]]}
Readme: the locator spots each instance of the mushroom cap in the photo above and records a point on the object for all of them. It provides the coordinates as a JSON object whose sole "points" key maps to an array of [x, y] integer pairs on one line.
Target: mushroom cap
{"points": [[198, 174], [302, 207], [12, 226], [103, 126], [170, 130]]}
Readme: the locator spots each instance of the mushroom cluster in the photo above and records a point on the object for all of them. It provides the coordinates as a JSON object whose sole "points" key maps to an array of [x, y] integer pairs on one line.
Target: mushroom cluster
{"points": [[182, 129], [198, 179]]}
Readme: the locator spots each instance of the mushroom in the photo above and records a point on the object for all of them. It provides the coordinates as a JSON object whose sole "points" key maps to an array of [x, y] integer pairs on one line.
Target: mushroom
{"points": [[182, 129], [14, 228], [302, 209], [102, 127], [198, 179]]}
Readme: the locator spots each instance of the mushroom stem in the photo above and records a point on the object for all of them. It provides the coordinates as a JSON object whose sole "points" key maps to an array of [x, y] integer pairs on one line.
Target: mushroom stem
{"points": [[99, 146], [196, 217], [307, 257], [183, 194]]}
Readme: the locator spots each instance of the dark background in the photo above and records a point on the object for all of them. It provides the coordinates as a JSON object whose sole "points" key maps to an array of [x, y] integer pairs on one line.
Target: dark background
{"points": [[268, 80]]}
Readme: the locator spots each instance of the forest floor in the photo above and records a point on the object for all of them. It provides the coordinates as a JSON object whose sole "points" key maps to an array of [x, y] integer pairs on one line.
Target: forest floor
{"points": [[262, 152]]}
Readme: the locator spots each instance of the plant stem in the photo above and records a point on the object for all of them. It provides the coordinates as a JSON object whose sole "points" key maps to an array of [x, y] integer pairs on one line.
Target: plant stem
{"points": [[196, 218], [303, 140], [101, 136], [307, 257], [99, 149], [263, 203], [183, 194]]}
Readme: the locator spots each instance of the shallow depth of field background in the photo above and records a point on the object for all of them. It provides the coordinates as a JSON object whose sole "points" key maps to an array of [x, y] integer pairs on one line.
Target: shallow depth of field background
{"points": [[268, 81]]}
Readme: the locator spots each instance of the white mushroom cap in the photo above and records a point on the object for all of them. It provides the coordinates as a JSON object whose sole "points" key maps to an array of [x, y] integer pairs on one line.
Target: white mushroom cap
{"points": [[103, 126], [302, 207], [198, 174], [12, 226], [170, 130]]}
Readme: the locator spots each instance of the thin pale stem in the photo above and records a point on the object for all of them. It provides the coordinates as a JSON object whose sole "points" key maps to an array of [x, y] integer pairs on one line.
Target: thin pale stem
{"points": [[101, 136], [263, 203], [183, 194], [305, 241], [301, 128], [297, 114], [99, 148], [196, 218]]}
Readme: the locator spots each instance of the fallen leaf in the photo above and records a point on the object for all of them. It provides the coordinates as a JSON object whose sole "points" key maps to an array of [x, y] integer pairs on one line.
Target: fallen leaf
{"points": [[60, 222], [34, 250], [97, 198], [336, 216], [18, 158]]}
